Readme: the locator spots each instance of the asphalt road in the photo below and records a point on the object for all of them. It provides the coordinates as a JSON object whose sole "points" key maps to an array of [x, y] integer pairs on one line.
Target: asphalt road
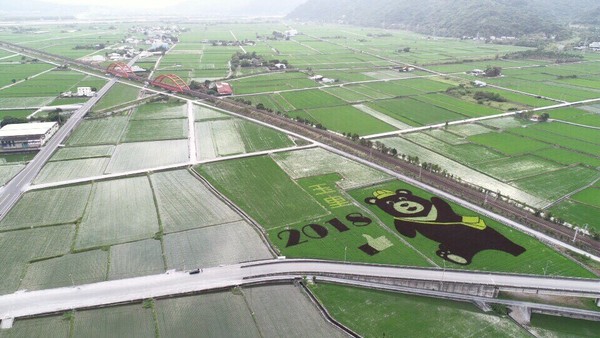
{"points": [[21, 304]]}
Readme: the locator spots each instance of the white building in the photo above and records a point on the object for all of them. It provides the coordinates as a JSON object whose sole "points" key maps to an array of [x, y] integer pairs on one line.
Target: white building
{"points": [[25, 136], [85, 91], [478, 83]]}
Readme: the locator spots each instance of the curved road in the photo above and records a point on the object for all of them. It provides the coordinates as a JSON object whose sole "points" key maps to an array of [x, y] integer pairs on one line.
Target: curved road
{"points": [[32, 303]]}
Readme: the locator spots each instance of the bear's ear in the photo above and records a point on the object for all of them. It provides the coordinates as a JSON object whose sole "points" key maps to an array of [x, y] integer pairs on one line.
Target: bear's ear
{"points": [[403, 192], [371, 200]]}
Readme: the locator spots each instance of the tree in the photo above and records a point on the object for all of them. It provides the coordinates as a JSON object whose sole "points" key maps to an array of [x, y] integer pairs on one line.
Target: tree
{"points": [[13, 80], [493, 71]]}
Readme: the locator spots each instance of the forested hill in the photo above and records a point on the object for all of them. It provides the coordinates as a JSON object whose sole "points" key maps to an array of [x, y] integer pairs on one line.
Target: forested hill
{"points": [[452, 17]]}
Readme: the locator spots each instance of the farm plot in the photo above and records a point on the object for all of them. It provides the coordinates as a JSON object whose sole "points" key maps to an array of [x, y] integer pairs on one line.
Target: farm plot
{"points": [[108, 220], [203, 113], [465, 153], [143, 155], [589, 196], [556, 140], [347, 119], [518, 167], [583, 134], [7, 172], [81, 268], [19, 247], [347, 94], [408, 315], [323, 162], [121, 321], [415, 113], [308, 99], [513, 252], [74, 153], [577, 214], [184, 203], [98, 131], [234, 136], [382, 117], [47, 207], [551, 326], [271, 83], [229, 141], [346, 233], [556, 184], [212, 246], [240, 180], [118, 94], [284, 311], [223, 314], [24, 102], [508, 144], [153, 111], [19, 71], [136, 259], [457, 105], [38, 327], [71, 170], [49, 84], [156, 130], [459, 170], [568, 157]]}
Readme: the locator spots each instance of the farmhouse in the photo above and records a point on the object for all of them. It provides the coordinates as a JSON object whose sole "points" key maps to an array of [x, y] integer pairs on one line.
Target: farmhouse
{"points": [[477, 72], [478, 83], [595, 46], [85, 91], [224, 88], [26, 136]]}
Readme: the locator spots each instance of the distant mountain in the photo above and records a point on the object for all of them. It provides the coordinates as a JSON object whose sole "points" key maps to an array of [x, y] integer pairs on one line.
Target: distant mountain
{"points": [[452, 17], [234, 7]]}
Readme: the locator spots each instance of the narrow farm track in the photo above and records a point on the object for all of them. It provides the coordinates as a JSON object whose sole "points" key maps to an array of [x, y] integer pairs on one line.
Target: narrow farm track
{"points": [[347, 146]]}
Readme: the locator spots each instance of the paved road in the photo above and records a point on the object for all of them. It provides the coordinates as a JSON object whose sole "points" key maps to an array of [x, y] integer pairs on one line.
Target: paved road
{"points": [[21, 304]]}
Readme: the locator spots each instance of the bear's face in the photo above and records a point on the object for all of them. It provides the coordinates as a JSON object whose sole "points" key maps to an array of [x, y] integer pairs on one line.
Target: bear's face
{"points": [[402, 204]]}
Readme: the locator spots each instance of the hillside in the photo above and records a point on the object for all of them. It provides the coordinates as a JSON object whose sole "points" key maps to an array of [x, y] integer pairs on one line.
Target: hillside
{"points": [[451, 18]]}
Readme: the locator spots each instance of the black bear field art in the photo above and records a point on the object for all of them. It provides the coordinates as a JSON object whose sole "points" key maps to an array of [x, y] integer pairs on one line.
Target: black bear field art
{"points": [[460, 238]]}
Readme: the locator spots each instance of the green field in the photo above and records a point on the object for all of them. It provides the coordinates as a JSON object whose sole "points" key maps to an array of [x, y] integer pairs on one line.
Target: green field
{"points": [[74, 153], [184, 203], [532, 261], [155, 130], [18, 248], [81, 268], [142, 155], [98, 131], [153, 111], [123, 321], [385, 314], [347, 119], [136, 259], [551, 326], [556, 184], [226, 244], [578, 214], [341, 233], [48, 207], [118, 94], [241, 180], [107, 220], [72, 169], [508, 143]]}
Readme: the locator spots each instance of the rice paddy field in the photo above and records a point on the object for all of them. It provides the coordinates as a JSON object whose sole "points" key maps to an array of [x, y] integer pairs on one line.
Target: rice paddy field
{"points": [[142, 155], [226, 244], [400, 314], [224, 137], [184, 203], [108, 219]]}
